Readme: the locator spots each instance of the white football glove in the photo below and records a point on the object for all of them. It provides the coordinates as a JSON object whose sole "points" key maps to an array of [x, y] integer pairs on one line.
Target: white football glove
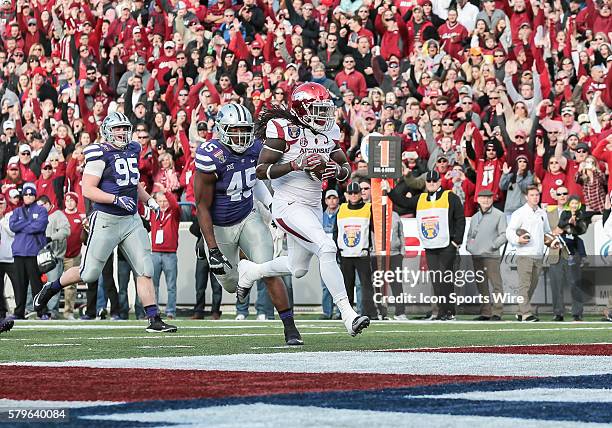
{"points": [[306, 162]]}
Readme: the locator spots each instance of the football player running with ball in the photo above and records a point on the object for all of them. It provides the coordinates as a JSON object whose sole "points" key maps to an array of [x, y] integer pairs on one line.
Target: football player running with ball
{"points": [[224, 185], [301, 149], [111, 180]]}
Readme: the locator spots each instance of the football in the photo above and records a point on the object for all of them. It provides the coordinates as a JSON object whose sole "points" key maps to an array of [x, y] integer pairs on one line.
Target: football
{"points": [[316, 173]]}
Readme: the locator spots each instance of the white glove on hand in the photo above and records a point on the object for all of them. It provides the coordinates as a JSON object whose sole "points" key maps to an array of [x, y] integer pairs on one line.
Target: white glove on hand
{"points": [[154, 206], [306, 162]]}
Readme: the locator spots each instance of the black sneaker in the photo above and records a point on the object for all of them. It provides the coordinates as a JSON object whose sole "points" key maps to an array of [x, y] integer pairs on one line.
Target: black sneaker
{"points": [[102, 313], [496, 318], [6, 324], [293, 337], [577, 318], [43, 297], [482, 318], [157, 325], [531, 318], [519, 317], [357, 324], [608, 317], [558, 318]]}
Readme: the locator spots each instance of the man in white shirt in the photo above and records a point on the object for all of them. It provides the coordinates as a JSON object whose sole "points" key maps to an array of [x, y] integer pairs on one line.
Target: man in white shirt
{"points": [[526, 232], [466, 14]]}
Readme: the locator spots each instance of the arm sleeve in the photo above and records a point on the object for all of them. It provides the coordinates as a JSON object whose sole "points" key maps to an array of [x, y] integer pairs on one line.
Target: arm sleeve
{"points": [[262, 193], [95, 167]]}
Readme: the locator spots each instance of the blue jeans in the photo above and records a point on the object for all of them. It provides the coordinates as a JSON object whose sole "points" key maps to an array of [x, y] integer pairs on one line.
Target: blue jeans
{"points": [[358, 295], [263, 305], [327, 303], [52, 275], [166, 263], [123, 277], [202, 275], [101, 299]]}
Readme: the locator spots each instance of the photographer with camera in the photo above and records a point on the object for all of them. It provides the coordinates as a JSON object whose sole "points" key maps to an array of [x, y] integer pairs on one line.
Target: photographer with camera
{"points": [[526, 231]]}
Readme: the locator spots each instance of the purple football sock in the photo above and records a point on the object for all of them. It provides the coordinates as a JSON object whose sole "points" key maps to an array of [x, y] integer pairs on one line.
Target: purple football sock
{"points": [[151, 311], [56, 286]]}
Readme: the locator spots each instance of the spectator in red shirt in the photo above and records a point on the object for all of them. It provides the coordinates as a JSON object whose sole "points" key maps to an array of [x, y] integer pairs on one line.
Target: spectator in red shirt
{"points": [[550, 179], [44, 184], [453, 35], [25, 157], [73, 248], [349, 78], [164, 237], [13, 179]]}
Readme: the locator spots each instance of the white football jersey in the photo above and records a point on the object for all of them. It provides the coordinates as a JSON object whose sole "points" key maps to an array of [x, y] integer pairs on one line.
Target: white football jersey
{"points": [[297, 185]]}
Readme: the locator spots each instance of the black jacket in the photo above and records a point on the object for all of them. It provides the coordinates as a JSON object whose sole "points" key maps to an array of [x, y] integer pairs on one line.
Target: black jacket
{"points": [[456, 217]]}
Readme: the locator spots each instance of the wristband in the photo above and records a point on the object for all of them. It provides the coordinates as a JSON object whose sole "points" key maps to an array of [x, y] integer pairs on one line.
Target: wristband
{"points": [[347, 174], [268, 172]]}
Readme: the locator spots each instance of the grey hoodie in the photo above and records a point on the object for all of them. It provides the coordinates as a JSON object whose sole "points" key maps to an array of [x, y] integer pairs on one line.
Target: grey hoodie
{"points": [[58, 230]]}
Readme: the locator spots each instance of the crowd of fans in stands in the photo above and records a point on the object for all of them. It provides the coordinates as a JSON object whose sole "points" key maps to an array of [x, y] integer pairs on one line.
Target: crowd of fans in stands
{"points": [[494, 95]]}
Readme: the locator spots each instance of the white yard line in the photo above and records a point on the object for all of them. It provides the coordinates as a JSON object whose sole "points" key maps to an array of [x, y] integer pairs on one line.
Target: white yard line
{"points": [[5, 403], [395, 363], [164, 346], [50, 345]]}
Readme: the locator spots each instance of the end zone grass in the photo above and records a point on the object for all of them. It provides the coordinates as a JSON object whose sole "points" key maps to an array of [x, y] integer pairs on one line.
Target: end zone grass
{"points": [[62, 340]]}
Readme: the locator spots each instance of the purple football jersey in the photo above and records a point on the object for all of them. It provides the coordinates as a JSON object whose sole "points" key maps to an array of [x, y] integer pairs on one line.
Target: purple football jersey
{"points": [[121, 175], [233, 198]]}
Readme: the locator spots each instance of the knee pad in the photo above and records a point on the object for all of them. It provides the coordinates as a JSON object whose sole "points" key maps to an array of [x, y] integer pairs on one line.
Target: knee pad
{"points": [[89, 276], [327, 249], [144, 267], [327, 255], [228, 281], [300, 272]]}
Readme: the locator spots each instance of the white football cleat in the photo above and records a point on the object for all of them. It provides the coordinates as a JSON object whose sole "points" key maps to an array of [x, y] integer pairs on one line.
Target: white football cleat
{"points": [[261, 317], [356, 325], [247, 276], [240, 317]]}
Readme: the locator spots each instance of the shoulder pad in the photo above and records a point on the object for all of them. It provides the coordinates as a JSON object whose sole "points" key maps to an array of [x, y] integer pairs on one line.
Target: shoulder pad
{"points": [[208, 156], [276, 128], [93, 152]]}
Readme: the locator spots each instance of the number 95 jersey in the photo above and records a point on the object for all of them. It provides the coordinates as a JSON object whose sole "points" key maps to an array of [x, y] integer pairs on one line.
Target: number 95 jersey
{"points": [[233, 198], [118, 172]]}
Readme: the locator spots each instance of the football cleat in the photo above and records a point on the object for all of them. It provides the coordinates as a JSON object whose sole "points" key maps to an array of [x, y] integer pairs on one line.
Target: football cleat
{"points": [[157, 325], [6, 324], [247, 276], [293, 337], [357, 324], [43, 297]]}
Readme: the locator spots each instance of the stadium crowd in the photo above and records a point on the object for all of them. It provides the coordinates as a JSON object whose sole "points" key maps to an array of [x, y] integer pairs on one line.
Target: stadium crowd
{"points": [[496, 97]]}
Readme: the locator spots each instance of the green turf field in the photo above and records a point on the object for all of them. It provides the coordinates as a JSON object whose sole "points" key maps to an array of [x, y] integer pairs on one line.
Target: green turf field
{"points": [[63, 340]]}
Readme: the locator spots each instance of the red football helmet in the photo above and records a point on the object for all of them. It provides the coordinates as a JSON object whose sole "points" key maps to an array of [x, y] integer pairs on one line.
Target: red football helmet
{"points": [[311, 103]]}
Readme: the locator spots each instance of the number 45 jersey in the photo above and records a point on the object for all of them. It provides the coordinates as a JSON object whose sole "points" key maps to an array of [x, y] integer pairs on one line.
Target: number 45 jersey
{"points": [[233, 198], [118, 172]]}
